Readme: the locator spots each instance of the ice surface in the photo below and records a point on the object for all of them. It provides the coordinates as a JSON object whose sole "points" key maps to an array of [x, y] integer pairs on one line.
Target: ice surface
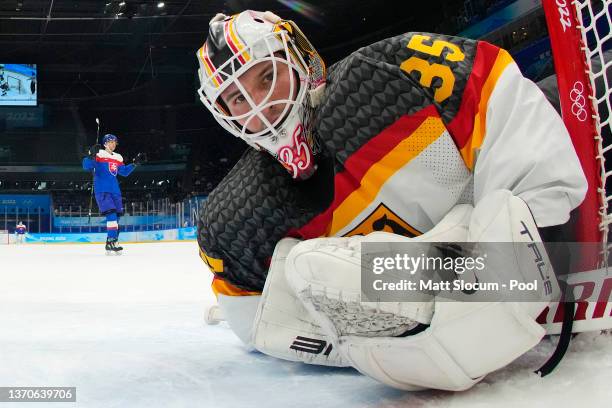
{"points": [[128, 331]]}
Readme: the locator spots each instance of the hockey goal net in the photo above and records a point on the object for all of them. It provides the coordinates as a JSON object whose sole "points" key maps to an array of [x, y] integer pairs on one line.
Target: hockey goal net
{"points": [[5, 237], [581, 41], [15, 83]]}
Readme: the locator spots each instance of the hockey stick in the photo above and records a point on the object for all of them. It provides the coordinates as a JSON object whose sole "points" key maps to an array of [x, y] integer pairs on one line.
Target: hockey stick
{"points": [[91, 189]]}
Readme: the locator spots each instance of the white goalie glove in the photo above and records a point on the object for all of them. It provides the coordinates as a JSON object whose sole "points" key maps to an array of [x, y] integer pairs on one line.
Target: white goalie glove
{"points": [[464, 340], [282, 327], [326, 275], [276, 323]]}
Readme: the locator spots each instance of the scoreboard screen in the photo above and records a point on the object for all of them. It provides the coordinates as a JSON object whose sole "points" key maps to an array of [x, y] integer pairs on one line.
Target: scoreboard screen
{"points": [[18, 85]]}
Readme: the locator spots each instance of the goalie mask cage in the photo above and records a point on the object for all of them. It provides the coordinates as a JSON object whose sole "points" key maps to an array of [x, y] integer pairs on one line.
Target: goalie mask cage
{"points": [[581, 43]]}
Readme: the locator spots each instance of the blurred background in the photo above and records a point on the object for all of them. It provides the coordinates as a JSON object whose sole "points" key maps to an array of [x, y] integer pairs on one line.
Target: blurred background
{"points": [[131, 64]]}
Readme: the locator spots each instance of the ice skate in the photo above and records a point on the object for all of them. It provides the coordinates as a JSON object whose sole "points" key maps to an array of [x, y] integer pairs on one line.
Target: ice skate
{"points": [[112, 248]]}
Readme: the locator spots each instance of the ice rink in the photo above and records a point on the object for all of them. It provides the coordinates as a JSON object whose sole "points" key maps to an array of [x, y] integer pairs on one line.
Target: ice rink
{"points": [[128, 331]]}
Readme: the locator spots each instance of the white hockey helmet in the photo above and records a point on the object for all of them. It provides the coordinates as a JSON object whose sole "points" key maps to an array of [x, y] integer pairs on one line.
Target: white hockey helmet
{"points": [[237, 43]]}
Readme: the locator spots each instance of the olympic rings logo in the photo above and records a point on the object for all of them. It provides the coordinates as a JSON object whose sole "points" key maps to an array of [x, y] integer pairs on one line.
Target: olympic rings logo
{"points": [[578, 101]]}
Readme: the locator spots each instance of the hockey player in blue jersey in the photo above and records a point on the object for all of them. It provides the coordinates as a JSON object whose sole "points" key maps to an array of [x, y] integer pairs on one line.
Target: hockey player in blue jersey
{"points": [[20, 231], [106, 165]]}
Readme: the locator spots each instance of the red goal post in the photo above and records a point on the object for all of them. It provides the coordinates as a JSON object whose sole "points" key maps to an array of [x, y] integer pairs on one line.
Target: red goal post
{"points": [[577, 41]]}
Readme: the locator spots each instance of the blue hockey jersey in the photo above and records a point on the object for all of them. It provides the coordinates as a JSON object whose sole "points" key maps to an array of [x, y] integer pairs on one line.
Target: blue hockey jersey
{"points": [[107, 166]]}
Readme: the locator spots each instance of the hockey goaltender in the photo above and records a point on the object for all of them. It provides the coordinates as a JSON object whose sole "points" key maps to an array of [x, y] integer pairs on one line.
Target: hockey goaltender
{"points": [[420, 137]]}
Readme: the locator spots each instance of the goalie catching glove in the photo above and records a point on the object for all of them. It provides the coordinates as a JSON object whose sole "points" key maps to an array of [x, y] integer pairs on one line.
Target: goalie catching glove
{"points": [[276, 323], [464, 340]]}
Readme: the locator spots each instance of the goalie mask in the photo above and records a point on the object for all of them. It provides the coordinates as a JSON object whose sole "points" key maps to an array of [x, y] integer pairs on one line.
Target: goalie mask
{"points": [[260, 77]]}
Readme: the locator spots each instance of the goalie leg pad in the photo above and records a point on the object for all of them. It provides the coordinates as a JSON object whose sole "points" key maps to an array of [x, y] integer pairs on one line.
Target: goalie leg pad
{"points": [[453, 354]]}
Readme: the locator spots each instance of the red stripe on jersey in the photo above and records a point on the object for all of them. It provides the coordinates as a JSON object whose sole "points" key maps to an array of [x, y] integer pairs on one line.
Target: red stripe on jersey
{"points": [[108, 160], [462, 125], [359, 163]]}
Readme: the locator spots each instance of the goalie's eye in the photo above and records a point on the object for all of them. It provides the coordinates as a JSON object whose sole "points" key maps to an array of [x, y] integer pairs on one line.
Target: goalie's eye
{"points": [[239, 99], [268, 77]]}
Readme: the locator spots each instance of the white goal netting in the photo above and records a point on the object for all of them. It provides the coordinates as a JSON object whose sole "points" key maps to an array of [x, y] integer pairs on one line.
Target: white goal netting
{"points": [[6, 238], [15, 83], [581, 43], [595, 28]]}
